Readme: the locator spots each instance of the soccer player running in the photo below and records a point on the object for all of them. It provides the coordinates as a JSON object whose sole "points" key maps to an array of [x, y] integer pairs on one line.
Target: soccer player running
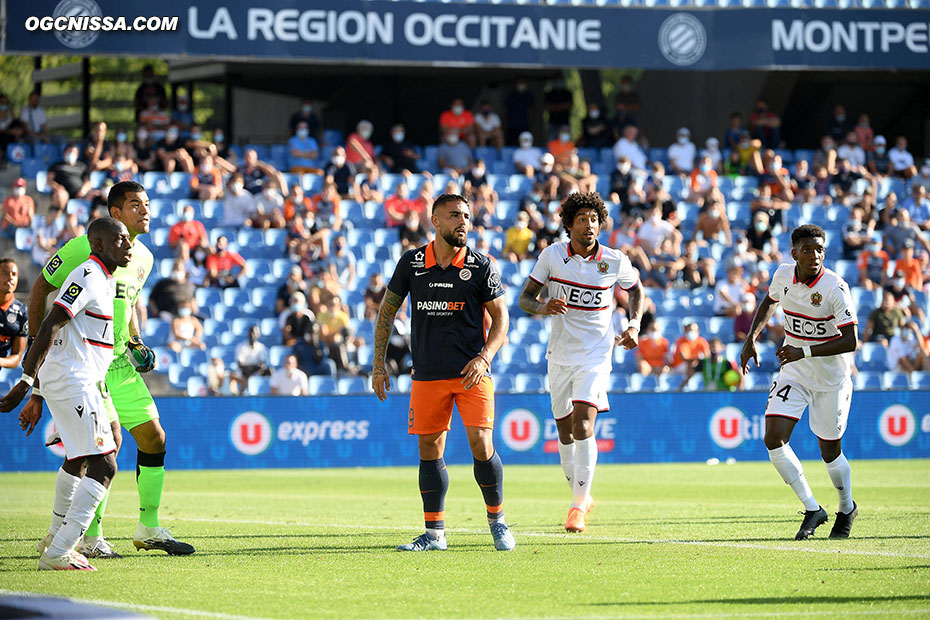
{"points": [[450, 288], [134, 407], [75, 342], [820, 340], [581, 274]]}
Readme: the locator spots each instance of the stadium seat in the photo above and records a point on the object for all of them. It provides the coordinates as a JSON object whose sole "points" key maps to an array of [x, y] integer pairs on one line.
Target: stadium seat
{"points": [[403, 384], [208, 298], [277, 354], [157, 330], [619, 383], [868, 381], [896, 381], [353, 385], [321, 385], [47, 153], [258, 386], [24, 239], [639, 383], [196, 386], [529, 383], [920, 380], [192, 357], [164, 358], [873, 357], [42, 182], [17, 152]]}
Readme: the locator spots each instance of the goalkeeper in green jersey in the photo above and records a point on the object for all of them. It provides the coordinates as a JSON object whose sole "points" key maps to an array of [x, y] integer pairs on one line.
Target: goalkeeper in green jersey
{"points": [[135, 408]]}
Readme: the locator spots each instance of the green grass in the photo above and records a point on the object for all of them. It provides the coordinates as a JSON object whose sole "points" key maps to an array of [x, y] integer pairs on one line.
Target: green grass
{"points": [[664, 540]]}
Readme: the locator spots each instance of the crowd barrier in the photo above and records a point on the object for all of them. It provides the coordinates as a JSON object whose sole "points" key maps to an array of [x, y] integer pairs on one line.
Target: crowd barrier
{"points": [[360, 431]]}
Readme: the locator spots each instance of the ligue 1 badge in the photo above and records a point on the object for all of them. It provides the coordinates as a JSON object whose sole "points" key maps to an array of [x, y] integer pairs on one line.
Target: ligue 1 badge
{"points": [[602, 266], [465, 274], [816, 298]]}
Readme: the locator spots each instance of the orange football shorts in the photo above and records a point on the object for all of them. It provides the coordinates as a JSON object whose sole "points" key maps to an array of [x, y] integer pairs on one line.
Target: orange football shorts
{"points": [[431, 405]]}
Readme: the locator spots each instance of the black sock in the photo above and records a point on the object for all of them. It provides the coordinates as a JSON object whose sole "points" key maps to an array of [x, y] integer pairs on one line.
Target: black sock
{"points": [[489, 475], [434, 482]]}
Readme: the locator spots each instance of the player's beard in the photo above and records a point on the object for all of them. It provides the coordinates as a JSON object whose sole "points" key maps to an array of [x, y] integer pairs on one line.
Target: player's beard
{"points": [[452, 239]]}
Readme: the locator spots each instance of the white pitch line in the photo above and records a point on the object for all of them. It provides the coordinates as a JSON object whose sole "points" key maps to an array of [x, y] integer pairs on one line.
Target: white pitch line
{"points": [[762, 614], [573, 538]]}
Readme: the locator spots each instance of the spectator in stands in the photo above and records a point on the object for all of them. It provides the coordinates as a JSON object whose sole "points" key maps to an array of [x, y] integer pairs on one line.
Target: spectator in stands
{"points": [[269, 207], [712, 150], [764, 202], [878, 159], [526, 157], [207, 181], [839, 125], [689, 349], [172, 154], [360, 151], [11, 128], [68, 178], [626, 104], [399, 155], [336, 335], [729, 293], [488, 128], [296, 321], [883, 321], [303, 150], [655, 230], [238, 203], [696, 269], [748, 150], [297, 203], [252, 355], [864, 133], [703, 180], [923, 176], [373, 295], [45, 232], [289, 380], [873, 265], [762, 240], [123, 169], [666, 267], [562, 146], [742, 320], [341, 172], [150, 87], [328, 209], [182, 116], [713, 369], [224, 266], [72, 228], [558, 101], [733, 166], [907, 350], [454, 156], [595, 131], [628, 147], [370, 188], [803, 183], [550, 233], [18, 210], [902, 162], [342, 263], [734, 133], [909, 267], [171, 293], [306, 241], [852, 151], [145, 156], [681, 153], [155, 119], [576, 176], [622, 184], [773, 174], [34, 120], [476, 180], [845, 182], [857, 233], [222, 149], [305, 114], [904, 297], [255, 172], [412, 234], [220, 380], [713, 226], [459, 122], [519, 103], [652, 354], [899, 231], [98, 152], [519, 239], [765, 126], [295, 283], [917, 206], [822, 188], [397, 206], [186, 330]]}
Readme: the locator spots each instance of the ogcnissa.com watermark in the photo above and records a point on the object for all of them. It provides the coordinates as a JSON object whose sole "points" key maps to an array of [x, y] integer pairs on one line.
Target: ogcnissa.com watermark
{"points": [[78, 23]]}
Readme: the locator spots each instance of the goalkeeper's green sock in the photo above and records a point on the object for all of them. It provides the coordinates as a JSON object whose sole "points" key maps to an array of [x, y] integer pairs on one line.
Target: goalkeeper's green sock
{"points": [[150, 478], [95, 529]]}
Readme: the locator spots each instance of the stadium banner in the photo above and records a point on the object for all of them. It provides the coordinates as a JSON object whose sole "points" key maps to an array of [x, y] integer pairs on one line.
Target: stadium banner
{"points": [[359, 431], [468, 34]]}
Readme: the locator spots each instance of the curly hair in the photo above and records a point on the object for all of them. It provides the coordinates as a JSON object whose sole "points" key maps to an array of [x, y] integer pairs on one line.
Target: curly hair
{"points": [[807, 231], [576, 202]]}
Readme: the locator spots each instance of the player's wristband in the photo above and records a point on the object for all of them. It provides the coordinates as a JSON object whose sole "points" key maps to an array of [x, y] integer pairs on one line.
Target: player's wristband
{"points": [[36, 392], [634, 324], [485, 360], [807, 351], [27, 379]]}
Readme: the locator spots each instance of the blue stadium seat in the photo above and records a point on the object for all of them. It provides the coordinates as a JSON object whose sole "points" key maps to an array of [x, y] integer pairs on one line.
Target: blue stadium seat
{"points": [[196, 386], [42, 182], [896, 381], [178, 374], [353, 385], [403, 383], [260, 149], [920, 380], [639, 383], [868, 381], [311, 184], [264, 297], [164, 358], [503, 382], [321, 385], [24, 239], [17, 152], [192, 357], [619, 382], [157, 330], [530, 382], [156, 183], [47, 153], [258, 386], [277, 354], [333, 137]]}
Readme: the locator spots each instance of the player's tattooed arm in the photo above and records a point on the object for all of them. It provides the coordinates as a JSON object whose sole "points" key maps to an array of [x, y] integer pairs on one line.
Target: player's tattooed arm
{"points": [[764, 313], [383, 328], [530, 303]]}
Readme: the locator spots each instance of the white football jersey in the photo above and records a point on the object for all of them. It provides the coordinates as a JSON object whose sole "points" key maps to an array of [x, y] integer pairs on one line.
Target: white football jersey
{"points": [[584, 335], [82, 350], [814, 313]]}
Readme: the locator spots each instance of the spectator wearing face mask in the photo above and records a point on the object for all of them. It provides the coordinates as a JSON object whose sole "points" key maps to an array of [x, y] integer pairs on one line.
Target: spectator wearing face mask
{"points": [[713, 226], [454, 155], [877, 160], [221, 381], [762, 240], [186, 330], [207, 181], [882, 322], [562, 146], [907, 351], [729, 293], [98, 151], [45, 232], [172, 154], [703, 180], [712, 150], [123, 169], [149, 88], [397, 206], [370, 188], [145, 156], [72, 229], [595, 131], [412, 234], [171, 293], [845, 182], [303, 150], [295, 283], [652, 353], [238, 203], [628, 147], [399, 155], [909, 267], [873, 265], [289, 380], [68, 178], [902, 162], [269, 207], [327, 207], [654, 231], [182, 116], [18, 210], [296, 321], [922, 178], [852, 151], [623, 186], [856, 234], [488, 129], [341, 172], [904, 296], [459, 121], [305, 114], [360, 151], [224, 266], [296, 204], [803, 183], [252, 355], [917, 204], [518, 240], [713, 370], [342, 264], [689, 349], [526, 157], [681, 153], [154, 118]]}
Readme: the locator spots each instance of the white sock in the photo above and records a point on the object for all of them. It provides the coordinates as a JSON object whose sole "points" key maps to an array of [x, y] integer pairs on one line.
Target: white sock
{"points": [[436, 534], [65, 484], [787, 464], [567, 458], [841, 475], [585, 461], [86, 498]]}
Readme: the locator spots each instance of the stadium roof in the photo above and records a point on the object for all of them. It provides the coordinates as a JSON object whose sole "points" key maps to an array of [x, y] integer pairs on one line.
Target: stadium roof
{"points": [[561, 33]]}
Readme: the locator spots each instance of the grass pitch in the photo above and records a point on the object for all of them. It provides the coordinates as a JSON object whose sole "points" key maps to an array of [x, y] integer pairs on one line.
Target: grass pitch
{"points": [[682, 541]]}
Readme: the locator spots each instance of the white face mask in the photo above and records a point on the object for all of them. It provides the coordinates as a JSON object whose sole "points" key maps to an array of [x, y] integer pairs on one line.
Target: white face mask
{"points": [[691, 336], [521, 224], [457, 109], [121, 136], [303, 132], [306, 109], [172, 134], [142, 135], [218, 137], [19, 191], [71, 158], [682, 139], [364, 133], [453, 139], [236, 187], [565, 137], [339, 161], [184, 311], [624, 167], [398, 136], [477, 172], [595, 114], [900, 282]]}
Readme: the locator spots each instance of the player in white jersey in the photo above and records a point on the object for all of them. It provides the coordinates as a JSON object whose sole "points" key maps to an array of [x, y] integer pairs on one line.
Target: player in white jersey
{"points": [[816, 359], [71, 354], [581, 275]]}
